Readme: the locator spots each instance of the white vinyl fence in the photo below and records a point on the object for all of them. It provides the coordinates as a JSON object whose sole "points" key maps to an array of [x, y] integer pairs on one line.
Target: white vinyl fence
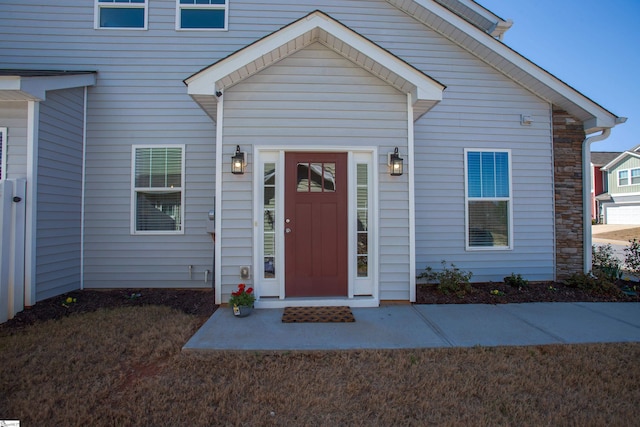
{"points": [[12, 245]]}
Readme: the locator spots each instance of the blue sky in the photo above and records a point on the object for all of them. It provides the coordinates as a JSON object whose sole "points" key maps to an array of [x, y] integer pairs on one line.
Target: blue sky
{"points": [[592, 45]]}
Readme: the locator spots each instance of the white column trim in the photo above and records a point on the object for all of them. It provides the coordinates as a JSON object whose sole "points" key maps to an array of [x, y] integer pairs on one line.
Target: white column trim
{"points": [[412, 201], [217, 274], [33, 114]]}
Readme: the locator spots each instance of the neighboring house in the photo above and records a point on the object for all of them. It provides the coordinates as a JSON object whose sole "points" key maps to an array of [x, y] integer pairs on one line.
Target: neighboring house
{"points": [[599, 182], [621, 204], [120, 121]]}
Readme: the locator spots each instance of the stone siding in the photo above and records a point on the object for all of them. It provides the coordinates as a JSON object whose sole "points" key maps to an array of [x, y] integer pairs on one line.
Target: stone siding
{"points": [[568, 136]]}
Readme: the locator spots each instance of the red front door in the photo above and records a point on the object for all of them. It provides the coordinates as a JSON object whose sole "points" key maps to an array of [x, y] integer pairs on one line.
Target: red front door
{"points": [[315, 224]]}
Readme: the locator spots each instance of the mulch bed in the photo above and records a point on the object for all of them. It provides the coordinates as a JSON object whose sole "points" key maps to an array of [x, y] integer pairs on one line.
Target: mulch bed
{"points": [[202, 302], [197, 302], [534, 292]]}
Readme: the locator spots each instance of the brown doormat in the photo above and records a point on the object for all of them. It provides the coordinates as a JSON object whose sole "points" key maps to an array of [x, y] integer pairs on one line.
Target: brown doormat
{"points": [[317, 314]]}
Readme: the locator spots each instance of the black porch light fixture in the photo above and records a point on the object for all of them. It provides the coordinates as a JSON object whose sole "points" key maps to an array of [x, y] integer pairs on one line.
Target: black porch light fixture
{"points": [[396, 163], [238, 162]]}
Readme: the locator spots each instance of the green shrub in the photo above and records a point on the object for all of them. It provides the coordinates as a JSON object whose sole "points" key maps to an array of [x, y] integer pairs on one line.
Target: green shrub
{"points": [[516, 281], [605, 263], [592, 284], [449, 280], [632, 256]]}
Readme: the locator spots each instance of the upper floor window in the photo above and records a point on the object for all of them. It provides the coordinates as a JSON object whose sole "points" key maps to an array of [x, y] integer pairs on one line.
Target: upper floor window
{"points": [[121, 14], [623, 178], [488, 206], [628, 177], [201, 15], [158, 183]]}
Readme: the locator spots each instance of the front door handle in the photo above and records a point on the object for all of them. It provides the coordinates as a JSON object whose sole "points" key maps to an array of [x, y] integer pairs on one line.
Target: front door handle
{"points": [[287, 230]]}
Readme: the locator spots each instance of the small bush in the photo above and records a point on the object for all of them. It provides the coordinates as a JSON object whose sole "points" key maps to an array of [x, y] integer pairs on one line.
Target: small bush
{"points": [[516, 281], [605, 262], [449, 280], [632, 256], [592, 284]]}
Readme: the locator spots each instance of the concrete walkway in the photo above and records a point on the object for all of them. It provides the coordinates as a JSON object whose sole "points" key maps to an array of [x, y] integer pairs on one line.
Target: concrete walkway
{"points": [[425, 326]]}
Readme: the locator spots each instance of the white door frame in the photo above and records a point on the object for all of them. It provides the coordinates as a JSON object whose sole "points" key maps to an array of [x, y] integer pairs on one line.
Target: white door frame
{"points": [[271, 292]]}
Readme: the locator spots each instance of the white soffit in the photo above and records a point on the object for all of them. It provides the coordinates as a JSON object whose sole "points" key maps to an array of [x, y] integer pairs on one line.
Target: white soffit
{"points": [[509, 62], [321, 28], [30, 85]]}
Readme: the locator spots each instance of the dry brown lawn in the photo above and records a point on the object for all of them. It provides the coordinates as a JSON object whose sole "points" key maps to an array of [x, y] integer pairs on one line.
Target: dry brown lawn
{"points": [[622, 235], [124, 367]]}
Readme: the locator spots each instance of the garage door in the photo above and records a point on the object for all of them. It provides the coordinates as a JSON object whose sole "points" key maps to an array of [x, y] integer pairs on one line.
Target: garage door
{"points": [[626, 214]]}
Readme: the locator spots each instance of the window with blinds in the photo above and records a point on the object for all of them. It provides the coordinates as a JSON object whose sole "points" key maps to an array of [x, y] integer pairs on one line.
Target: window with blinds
{"points": [[158, 183], [488, 194]]}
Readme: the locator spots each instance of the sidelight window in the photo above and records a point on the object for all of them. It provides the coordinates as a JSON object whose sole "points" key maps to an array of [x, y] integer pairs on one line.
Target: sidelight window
{"points": [[3, 153], [362, 217], [269, 212]]}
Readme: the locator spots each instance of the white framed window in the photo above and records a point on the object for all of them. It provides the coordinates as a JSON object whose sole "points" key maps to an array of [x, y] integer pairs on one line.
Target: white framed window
{"points": [[157, 196], [623, 178], [269, 226], [362, 214], [3, 153], [121, 14], [202, 14], [628, 177], [488, 199]]}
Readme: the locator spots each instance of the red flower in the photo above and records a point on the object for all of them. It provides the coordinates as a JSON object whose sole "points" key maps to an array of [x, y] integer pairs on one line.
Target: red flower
{"points": [[241, 287], [249, 290]]}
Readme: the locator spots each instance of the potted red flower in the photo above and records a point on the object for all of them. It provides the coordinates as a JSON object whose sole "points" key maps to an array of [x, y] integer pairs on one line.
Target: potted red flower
{"points": [[242, 300]]}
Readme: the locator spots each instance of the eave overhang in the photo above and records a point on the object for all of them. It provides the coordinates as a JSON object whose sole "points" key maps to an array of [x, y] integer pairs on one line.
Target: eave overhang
{"points": [[510, 63], [208, 84], [32, 85]]}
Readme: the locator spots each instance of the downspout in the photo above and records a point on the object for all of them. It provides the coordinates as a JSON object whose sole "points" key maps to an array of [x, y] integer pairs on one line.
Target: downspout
{"points": [[586, 194]]}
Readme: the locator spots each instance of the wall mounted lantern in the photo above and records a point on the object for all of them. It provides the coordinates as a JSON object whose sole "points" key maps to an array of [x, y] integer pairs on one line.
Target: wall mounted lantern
{"points": [[238, 162], [396, 163]]}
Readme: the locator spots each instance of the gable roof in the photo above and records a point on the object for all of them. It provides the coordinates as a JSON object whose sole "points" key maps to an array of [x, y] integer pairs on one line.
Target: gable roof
{"points": [[32, 85], [467, 34], [634, 152], [207, 84], [601, 158]]}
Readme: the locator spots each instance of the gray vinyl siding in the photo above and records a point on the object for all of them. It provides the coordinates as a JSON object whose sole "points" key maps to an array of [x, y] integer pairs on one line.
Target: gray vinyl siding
{"points": [[471, 117], [139, 98], [626, 164], [315, 98], [58, 227], [13, 116]]}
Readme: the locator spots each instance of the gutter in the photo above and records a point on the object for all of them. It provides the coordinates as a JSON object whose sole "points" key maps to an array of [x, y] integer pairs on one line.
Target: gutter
{"points": [[586, 191]]}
